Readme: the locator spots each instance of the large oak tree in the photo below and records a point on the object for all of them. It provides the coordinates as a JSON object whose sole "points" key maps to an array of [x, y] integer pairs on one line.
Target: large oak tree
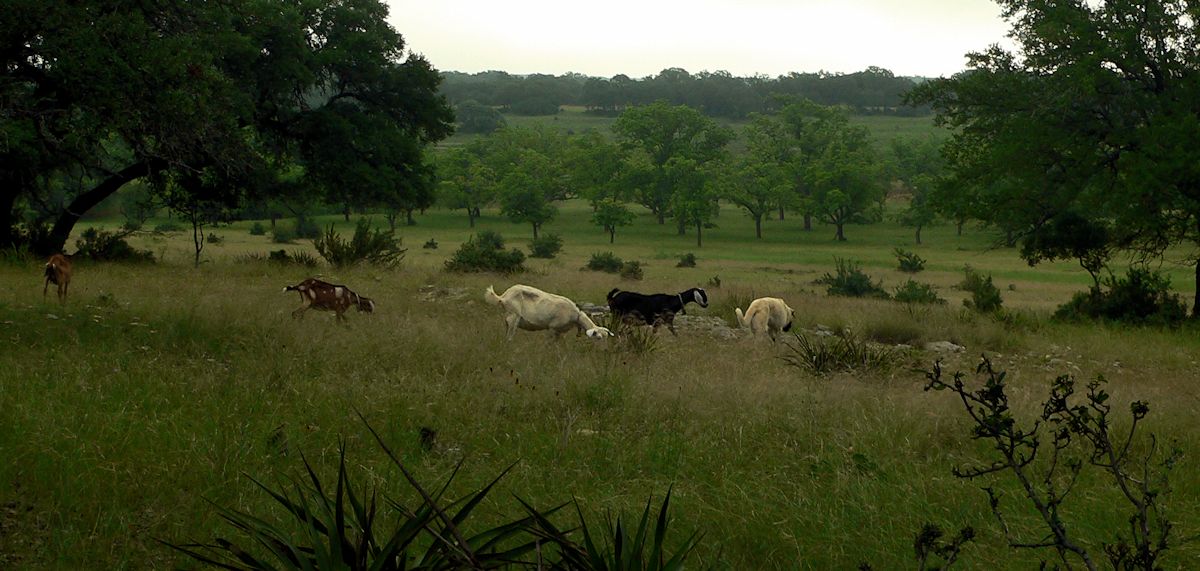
{"points": [[234, 92], [1096, 114]]}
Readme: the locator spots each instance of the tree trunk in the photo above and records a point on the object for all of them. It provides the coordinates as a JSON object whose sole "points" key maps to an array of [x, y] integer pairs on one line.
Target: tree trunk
{"points": [[86, 201], [410, 221], [758, 226], [1196, 298], [807, 222], [8, 233], [781, 213], [699, 230], [612, 235], [274, 216], [471, 216], [535, 228], [391, 219], [841, 236], [197, 236], [960, 225], [661, 218], [346, 212], [918, 235], [681, 227]]}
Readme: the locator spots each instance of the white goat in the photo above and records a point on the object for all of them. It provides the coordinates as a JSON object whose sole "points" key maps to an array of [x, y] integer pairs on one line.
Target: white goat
{"points": [[532, 309], [768, 315]]}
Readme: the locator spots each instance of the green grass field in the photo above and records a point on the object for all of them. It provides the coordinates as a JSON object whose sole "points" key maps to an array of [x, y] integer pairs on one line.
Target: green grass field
{"points": [[158, 388]]}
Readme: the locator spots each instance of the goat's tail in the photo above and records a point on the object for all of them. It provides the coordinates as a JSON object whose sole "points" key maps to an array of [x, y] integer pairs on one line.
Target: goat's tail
{"points": [[741, 318], [612, 293], [290, 288], [491, 297], [51, 273]]}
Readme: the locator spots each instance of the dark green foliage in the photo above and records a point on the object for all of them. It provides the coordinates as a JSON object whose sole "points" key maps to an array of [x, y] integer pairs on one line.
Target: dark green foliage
{"points": [[687, 261], [850, 281], [102, 245], [1141, 297], [306, 228], [283, 234], [912, 291], [909, 261], [632, 270], [341, 526], [168, 226], [837, 354], [613, 547], [430, 244], [213, 238], [605, 262], [631, 338], [258, 229], [1070, 236], [485, 252], [546, 246], [472, 117], [985, 296], [367, 246]]}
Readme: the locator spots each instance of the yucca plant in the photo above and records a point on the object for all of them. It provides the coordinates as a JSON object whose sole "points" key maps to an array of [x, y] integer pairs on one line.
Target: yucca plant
{"points": [[616, 549], [341, 529], [844, 353], [374, 247]]}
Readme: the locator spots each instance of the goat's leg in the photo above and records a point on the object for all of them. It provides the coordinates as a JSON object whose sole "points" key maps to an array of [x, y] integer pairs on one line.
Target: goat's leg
{"points": [[62, 292], [45, 287], [513, 320]]}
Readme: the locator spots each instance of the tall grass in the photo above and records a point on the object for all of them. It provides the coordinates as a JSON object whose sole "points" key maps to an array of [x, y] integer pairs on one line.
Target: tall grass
{"points": [[156, 387]]}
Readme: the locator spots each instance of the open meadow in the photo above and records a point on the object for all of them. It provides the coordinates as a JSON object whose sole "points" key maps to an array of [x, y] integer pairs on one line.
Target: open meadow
{"points": [[159, 388]]}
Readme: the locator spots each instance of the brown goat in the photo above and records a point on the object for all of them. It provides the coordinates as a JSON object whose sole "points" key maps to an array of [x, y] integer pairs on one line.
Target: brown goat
{"points": [[58, 272], [316, 294]]}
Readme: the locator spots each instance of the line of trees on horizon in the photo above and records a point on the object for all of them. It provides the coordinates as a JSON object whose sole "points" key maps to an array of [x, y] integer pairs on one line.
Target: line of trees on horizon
{"points": [[716, 94]]}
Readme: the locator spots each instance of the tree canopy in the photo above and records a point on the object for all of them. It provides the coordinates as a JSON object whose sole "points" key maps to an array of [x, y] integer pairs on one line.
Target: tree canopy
{"points": [[229, 93], [1096, 114]]}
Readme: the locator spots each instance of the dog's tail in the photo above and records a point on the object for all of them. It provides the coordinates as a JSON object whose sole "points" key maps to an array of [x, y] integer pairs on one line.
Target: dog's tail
{"points": [[740, 317]]}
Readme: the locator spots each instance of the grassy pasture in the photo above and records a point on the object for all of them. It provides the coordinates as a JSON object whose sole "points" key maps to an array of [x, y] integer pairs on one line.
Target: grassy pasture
{"points": [[157, 387]]}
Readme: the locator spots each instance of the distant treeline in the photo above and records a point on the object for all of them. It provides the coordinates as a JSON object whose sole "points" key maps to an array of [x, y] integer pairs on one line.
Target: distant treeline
{"points": [[716, 94]]}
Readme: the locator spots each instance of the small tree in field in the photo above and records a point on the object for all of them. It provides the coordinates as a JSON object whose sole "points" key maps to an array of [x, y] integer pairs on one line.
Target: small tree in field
{"points": [[611, 214]]}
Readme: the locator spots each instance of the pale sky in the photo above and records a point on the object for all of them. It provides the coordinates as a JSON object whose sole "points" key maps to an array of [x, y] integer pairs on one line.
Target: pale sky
{"points": [[640, 38]]}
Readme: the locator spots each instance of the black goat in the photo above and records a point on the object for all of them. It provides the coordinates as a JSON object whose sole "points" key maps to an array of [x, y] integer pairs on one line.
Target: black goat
{"points": [[654, 309]]}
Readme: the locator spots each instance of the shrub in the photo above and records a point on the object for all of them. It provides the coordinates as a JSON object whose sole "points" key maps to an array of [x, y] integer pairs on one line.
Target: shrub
{"points": [[431, 244], [631, 338], [258, 229], [1141, 297], [283, 234], [687, 261], [297, 258], [103, 245], [837, 354], [485, 252], [632, 270], [213, 238], [985, 297], [168, 226], [714, 282], [307, 228], [605, 262], [913, 291], [850, 281], [546, 246], [909, 261], [367, 246]]}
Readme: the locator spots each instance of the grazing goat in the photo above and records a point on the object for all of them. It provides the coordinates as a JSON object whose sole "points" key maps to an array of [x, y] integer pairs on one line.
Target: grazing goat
{"points": [[316, 294], [58, 272], [768, 315], [532, 309], [654, 309]]}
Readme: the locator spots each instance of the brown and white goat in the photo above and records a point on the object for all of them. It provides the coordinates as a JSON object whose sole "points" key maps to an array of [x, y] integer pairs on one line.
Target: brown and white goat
{"points": [[316, 294], [58, 272]]}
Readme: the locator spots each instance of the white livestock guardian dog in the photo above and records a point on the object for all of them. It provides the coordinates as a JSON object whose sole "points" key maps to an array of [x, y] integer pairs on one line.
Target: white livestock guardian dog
{"points": [[532, 309], [768, 315]]}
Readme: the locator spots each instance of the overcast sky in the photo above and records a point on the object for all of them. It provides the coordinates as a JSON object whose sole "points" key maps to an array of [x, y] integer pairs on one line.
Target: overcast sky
{"points": [[642, 37]]}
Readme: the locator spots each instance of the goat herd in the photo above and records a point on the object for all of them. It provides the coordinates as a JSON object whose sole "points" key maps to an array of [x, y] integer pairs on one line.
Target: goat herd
{"points": [[526, 307]]}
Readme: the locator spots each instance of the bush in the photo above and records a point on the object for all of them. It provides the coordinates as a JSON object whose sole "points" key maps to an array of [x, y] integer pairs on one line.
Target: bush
{"points": [[687, 261], [283, 234], [605, 262], [213, 238], [258, 229], [485, 252], [632, 270], [431, 244], [838, 354], [307, 228], [367, 246], [168, 226], [102, 245], [850, 281], [915, 292], [546, 246], [297, 258], [985, 297], [1141, 297], [909, 262]]}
